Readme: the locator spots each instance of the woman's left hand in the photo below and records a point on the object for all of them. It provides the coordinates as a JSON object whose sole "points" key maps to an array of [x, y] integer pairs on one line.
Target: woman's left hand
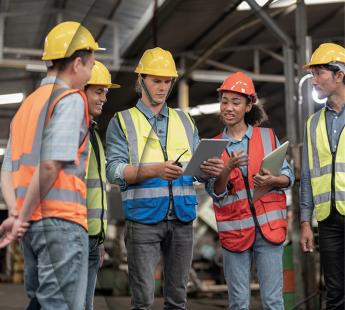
{"points": [[265, 178]]}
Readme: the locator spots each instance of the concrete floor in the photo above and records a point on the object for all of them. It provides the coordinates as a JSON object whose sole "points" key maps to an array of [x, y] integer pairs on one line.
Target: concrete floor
{"points": [[12, 297]]}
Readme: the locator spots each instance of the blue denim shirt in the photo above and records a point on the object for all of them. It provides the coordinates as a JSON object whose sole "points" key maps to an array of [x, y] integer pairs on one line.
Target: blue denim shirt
{"points": [[242, 145], [117, 144], [334, 123]]}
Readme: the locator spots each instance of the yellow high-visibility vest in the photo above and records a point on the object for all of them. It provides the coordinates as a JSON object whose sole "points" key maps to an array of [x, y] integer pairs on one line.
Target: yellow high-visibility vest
{"points": [[148, 201], [96, 205], [325, 166]]}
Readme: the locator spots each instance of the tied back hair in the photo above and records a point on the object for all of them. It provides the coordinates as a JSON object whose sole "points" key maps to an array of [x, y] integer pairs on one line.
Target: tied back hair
{"points": [[256, 116]]}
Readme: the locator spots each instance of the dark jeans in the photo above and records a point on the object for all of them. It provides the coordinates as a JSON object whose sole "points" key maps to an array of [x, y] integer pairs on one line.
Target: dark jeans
{"points": [[145, 244], [332, 247], [94, 259]]}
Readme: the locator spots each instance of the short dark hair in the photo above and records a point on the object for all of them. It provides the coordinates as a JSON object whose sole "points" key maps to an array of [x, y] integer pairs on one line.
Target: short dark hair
{"points": [[62, 63], [332, 68]]}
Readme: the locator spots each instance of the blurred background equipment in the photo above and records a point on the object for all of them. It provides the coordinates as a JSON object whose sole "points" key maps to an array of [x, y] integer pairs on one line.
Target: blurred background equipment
{"points": [[268, 40]]}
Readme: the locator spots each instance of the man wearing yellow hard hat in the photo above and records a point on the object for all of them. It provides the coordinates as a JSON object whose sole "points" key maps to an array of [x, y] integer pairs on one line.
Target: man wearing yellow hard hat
{"points": [[143, 145], [96, 92], [323, 170], [44, 170]]}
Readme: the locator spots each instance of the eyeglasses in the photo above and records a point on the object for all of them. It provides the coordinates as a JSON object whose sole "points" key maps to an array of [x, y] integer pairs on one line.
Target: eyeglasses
{"points": [[176, 162]]}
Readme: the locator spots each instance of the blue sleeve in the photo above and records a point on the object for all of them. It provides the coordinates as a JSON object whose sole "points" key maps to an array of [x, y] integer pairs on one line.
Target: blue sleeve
{"points": [[286, 169], [117, 154], [305, 191], [63, 135], [7, 163]]}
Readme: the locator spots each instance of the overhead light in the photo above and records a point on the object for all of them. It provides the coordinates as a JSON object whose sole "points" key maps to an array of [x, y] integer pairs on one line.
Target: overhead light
{"points": [[11, 98], [210, 108], [283, 3], [36, 67], [316, 98], [2, 151]]}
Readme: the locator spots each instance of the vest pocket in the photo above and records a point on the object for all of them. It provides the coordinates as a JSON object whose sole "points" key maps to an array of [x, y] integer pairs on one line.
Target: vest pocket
{"points": [[274, 206]]}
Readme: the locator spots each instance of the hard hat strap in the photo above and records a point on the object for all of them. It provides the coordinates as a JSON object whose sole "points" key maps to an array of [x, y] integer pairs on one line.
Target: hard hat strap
{"points": [[339, 65], [143, 86], [149, 96], [171, 87]]}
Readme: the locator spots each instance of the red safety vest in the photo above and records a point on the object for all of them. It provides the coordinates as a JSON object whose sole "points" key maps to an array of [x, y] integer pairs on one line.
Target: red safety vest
{"points": [[237, 215], [67, 197]]}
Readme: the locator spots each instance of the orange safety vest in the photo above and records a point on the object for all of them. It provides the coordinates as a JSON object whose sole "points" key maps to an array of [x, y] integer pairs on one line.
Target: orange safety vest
{"points": [[67, 197], [238, 216]]}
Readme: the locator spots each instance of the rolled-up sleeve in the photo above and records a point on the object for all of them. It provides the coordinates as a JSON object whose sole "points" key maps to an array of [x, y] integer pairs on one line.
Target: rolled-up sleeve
{"points": [[305, 191], [117, 154], [7, 163], [286, 169], [209, 186]]}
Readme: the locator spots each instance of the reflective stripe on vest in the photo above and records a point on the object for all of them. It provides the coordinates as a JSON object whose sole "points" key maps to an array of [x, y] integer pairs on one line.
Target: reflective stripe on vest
{"points": [[148, 202], [94, 191], [235, 220], [66, 199], [320, 166]]}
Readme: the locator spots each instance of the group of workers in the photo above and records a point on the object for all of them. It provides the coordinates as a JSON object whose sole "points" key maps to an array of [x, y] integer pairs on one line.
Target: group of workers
{"points": [[54, 174]]}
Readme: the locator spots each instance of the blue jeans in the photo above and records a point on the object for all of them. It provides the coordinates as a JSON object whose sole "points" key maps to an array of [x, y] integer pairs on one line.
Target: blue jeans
{"points": [[145, 244], [94, 259], [269, 265], [55, 264]]}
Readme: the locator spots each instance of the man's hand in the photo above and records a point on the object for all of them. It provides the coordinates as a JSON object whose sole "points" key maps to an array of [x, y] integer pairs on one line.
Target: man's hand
{"points": [[168, 171], [306, 237], [101, 254], [212, 167], [263, 179], [11, 229]]}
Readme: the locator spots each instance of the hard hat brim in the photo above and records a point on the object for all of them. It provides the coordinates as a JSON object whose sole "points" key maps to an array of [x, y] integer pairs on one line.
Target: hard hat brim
{"points": [[114, 86]]}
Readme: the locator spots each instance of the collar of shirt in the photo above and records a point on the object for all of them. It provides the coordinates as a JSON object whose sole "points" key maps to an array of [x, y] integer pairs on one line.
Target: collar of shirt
{"points": [[148, 113], [330, 109], [53, 80], [248, 134], [93, 124]]}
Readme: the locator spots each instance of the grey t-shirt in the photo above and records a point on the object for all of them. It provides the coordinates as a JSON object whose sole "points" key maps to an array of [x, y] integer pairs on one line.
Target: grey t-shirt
{"points": [[65, 130]]}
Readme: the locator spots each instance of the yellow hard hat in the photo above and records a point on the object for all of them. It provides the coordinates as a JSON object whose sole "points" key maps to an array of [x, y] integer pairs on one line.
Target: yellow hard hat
{"points": [[157, 61], [66, 38], [100, 75], [326, 53]]}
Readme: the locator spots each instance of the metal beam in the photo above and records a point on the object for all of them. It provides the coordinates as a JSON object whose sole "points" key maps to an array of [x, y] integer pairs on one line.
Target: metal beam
{"points": [[290, 104], [220, 42], [214, 76], [270, 23], [36, 52], [218, 64], [2, 34], [140, 26], [183, 90]]}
